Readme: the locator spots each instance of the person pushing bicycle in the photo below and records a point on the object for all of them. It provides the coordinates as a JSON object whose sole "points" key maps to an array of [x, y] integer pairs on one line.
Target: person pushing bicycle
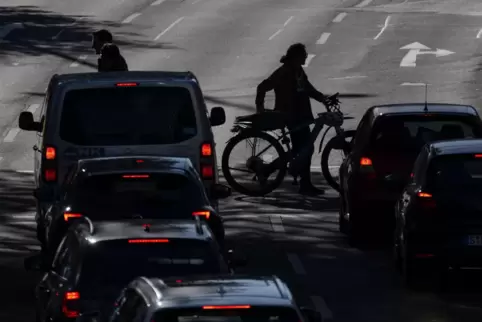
{"points": [[293, 91]]}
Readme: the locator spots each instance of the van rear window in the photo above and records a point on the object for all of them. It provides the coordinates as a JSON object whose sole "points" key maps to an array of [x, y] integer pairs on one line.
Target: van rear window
{"points": [[127, 116]]}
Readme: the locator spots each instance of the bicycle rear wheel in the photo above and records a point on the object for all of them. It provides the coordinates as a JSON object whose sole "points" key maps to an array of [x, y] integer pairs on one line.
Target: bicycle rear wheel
{"points": [[335, 143], [264, 188]]}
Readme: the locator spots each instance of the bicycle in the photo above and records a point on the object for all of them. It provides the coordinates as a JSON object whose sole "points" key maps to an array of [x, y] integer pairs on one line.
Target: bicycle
{"points": [[257, 126]]}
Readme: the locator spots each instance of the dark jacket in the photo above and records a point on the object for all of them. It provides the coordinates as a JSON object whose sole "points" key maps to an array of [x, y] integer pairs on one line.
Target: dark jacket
{"points": [[292, 91], [118, 64]]}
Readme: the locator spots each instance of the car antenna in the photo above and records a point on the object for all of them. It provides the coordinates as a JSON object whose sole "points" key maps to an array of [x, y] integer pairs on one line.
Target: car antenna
{"points": [[425, 109]]}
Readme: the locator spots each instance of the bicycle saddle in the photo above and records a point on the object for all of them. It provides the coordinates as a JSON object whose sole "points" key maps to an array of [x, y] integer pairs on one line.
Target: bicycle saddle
{"points": [[265, 121]]}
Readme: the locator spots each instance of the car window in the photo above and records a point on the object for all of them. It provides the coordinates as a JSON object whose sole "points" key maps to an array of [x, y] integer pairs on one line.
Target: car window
{"points": [[118, 262], [151, 195], [254, 314], [128, 116], [455, 173]]}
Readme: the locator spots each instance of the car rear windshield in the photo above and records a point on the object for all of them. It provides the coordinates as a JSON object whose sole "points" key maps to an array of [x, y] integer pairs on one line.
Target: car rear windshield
{"points": [[220, 314], [119, 261], [151, 195], [127, 116], [455, 172]]}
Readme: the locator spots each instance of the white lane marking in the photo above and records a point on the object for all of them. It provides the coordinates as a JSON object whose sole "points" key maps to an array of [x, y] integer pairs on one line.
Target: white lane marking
{"points": [[348, 77], [157, 2], [321, 307], [277, 223], [275, 34], [340, 17], [412, 84], [169, 28], [364, 3], [32, 108], [9, 28], [12, 133], [309, 59], [288, 21], [323, 38], [479, 34], [80, 59], [131, 17], [24, 171], [385, 25], [296, 263]]}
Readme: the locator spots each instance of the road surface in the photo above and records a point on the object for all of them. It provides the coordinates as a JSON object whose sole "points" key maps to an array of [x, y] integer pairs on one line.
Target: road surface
{"points": [[372, 52]]}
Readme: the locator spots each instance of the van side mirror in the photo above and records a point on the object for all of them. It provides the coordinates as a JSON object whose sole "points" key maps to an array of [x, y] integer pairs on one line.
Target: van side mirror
{"points": [[44, 195], [218, 116], [311, 315], [220, 191], [27, 123]]}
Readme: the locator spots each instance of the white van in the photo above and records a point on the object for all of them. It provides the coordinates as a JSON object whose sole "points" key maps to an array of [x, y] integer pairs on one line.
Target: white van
{"points": [[119, 114]]}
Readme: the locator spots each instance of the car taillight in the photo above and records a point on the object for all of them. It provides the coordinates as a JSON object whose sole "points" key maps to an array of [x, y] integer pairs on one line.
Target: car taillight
{"points": [[206, 214], [366, 162], [69, 215], [226, 307], [366, 168], [426, 200], [70, 304], [207, 161], [148, 241], [135, 176], [50, 164]]}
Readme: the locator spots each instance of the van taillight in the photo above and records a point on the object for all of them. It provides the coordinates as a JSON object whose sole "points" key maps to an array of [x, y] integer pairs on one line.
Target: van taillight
{"points": [[207, 161], [426, 200], [50, 164], [70, 304], [366, 162], [366, 168], [203, 213]]}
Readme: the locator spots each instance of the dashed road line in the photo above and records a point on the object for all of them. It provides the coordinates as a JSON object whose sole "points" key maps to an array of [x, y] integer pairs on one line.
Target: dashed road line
{"points": [[321, 307], [412, 84], [323, 38], [288, 21], [339, 17], [12, 133], [157, 2], [479, 34], [131, 17], [169, 28], [32, 108], [24, 171], [79, 60], [308, 60], [277, 224], [296, 263], [384, 27], [364, 3], [275, 34]]}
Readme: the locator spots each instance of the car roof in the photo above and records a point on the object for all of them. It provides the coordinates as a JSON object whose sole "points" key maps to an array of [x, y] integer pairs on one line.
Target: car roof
{"points": [[419, 108], [133, 163], [466, 146], [216, 290], [129, 76], [134, 229]]}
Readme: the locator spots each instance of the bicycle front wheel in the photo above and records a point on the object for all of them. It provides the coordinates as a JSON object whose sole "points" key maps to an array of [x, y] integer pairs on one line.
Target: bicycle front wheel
{"points": [[338, 142], [250, 168]]}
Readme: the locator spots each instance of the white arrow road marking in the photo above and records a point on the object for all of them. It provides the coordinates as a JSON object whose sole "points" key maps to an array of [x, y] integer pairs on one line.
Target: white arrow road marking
{"points": [[415, 49], [9, 28]]}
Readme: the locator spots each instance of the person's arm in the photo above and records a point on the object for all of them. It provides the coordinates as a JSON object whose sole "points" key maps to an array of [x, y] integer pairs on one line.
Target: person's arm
{"points": [[313, 92], [265, 86]]}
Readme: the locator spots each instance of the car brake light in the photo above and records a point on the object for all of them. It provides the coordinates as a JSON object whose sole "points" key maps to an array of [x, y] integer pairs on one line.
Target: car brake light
{"points": [[364, 162], [424, 195], [69, 215], [126, 84], [426, 200], [207, 171], [478, 155], [50, 175], [206, 150], [139, 161], [226, 307], [206, 214], [135, 176], [67, 307], [50, 153], [148, 241]]}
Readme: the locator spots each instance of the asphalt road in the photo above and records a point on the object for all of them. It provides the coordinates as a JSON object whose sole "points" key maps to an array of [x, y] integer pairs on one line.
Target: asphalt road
{"points": [[372, 52]]}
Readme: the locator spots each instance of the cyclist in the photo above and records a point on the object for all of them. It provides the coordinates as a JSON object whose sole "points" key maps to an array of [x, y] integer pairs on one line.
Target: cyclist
{"points": [[293, 91], [111, 59]]}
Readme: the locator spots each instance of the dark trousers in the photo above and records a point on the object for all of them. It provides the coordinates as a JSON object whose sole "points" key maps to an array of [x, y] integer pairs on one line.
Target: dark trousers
{"points": [[299, 141]]}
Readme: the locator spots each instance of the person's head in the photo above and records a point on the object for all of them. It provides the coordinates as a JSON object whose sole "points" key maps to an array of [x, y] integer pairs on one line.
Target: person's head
{"points": [[295, 55], [99, 38]]}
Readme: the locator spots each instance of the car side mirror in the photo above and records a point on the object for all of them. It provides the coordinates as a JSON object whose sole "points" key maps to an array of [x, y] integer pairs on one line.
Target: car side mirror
{"points": [[44, 195], [220, 191], [27, 123], [311, 315], [236, 260], [35, 263], [218, 116]]}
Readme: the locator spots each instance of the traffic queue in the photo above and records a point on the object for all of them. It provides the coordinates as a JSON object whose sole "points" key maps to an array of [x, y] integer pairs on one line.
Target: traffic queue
{"points": [[127, 215]]}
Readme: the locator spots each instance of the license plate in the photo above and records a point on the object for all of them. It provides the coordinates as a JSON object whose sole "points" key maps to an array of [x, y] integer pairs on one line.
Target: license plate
{"points": [[475, 240]]}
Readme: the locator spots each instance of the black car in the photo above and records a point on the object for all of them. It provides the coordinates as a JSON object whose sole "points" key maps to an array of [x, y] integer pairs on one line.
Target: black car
{"points": [[439, 215], [95, 261], [387, 142], [129, 187]]}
